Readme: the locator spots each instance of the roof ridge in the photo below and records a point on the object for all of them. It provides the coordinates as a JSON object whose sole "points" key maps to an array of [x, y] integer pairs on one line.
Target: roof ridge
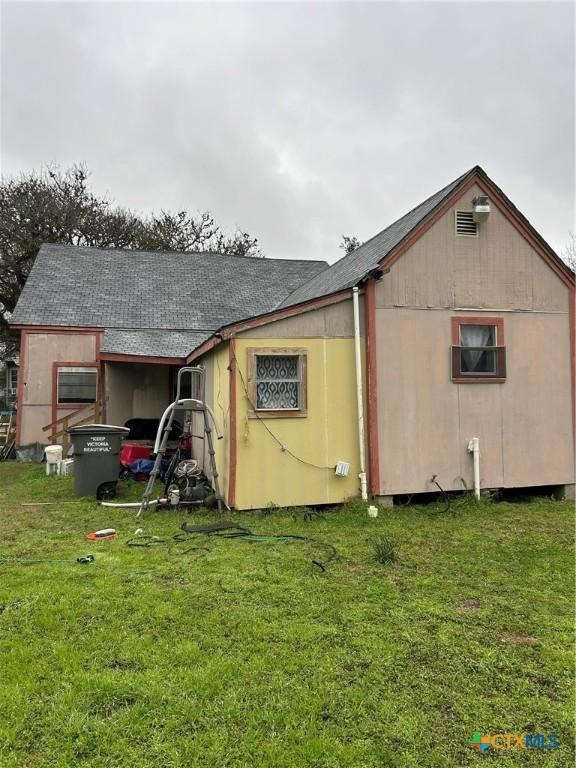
{"points": [[137, 295], [183, 253]]}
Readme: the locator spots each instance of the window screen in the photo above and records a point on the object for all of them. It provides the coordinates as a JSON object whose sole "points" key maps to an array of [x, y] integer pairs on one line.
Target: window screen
{"points": [[478, 353], [277, 382], [77, 385]]}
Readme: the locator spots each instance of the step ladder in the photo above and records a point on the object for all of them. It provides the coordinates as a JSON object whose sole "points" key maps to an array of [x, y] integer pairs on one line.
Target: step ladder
{"points": [[165, 427]]}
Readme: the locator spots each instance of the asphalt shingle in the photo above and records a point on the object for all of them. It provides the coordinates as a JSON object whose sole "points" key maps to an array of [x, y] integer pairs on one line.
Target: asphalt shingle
{"points": [[353, 267], [128, 291], [166, 304], [165, 343]]}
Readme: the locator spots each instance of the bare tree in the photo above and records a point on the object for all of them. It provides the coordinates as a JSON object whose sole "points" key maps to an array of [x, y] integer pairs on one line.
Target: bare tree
{"points": [[568, 253], [54, 206]]}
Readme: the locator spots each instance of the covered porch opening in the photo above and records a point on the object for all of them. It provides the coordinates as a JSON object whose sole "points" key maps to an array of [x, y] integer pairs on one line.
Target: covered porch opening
{"points": [[137, 394]]}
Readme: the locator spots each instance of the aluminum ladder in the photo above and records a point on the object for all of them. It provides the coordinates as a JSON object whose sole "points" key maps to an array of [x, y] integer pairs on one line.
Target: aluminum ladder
{"points": [[197, 374]]}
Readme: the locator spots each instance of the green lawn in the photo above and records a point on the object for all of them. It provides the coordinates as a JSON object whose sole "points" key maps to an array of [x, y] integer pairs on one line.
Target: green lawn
{"points": [[245, 654]]}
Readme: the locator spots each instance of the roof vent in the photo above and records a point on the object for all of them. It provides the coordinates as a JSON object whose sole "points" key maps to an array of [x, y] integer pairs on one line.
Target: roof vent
{"points": [[481, 208], [465, 224]]}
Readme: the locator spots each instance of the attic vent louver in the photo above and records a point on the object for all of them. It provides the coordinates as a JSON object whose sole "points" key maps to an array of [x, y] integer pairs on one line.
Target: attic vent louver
{"points": [[465, 224]]}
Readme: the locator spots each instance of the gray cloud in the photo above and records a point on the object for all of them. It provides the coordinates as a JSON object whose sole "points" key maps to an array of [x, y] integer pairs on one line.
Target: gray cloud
{"points": [[298, 122]]}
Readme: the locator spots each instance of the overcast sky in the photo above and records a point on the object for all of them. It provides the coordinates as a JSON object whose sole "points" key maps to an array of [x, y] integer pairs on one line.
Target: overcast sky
{"points": [[297, 122]]}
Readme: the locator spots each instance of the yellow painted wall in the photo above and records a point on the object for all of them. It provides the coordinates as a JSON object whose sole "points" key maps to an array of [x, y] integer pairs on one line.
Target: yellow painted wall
{"points": [[267, 475], [216, 363]]}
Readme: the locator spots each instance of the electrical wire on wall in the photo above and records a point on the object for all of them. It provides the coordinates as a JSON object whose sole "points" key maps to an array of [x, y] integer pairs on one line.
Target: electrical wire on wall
{"points": [[218, 393], [276, 439]]}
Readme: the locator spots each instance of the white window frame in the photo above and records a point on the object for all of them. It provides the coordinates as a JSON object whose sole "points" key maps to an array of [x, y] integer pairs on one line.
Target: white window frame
{"points": [[12, 385]]}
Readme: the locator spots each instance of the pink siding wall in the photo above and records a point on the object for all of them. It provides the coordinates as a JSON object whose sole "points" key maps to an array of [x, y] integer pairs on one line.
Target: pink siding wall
{"points": [[41, 350], [425, 420]]}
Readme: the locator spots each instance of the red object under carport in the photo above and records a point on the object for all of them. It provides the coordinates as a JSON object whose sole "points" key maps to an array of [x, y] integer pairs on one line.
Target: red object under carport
{"points": [[131, 452]]}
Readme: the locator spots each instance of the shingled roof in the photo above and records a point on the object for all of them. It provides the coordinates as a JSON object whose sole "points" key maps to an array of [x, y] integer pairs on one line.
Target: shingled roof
{"points": [[153, 303], [161, 343], [164, 304], [353, 267]]}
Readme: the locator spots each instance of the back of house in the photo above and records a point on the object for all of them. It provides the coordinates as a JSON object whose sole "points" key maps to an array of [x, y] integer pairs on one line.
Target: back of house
{"points": [[474, 338], [466, 331]]}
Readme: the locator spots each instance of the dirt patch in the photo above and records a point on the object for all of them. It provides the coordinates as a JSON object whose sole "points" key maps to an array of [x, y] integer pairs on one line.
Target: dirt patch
{"points": [[170, 578], [115, 705], [122, 665], [468, 606], [518, 639]]}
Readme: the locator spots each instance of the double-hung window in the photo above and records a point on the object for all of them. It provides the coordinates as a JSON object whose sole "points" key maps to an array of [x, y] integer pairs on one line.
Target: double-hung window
{"points": [[12, 380], [478, 351], [277, 382], [77, 385]]}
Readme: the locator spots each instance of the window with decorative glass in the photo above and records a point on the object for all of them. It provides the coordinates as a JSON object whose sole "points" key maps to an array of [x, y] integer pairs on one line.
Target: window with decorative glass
{"points": [[277, 382]]}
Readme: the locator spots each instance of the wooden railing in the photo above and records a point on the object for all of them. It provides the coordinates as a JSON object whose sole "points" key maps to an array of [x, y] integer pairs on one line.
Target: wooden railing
{"points": [[89, 414], [7, 434]]}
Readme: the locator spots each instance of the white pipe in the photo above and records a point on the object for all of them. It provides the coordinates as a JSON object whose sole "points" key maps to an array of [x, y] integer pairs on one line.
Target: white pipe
{"points": [[130, 504], [474, 449], [359, 395]]}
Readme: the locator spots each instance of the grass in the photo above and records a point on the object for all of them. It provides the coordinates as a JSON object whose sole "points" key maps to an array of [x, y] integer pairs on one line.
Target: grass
{"points": [[384, 552], [245, 654]]}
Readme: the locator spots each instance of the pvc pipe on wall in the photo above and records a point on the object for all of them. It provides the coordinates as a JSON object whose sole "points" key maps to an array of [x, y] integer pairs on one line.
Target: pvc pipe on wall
{"points": [[359, 396], [474, 449]]}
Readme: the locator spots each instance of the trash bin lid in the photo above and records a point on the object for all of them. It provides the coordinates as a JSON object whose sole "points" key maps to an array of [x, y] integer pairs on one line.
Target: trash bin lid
{"points": [[98, 429]]}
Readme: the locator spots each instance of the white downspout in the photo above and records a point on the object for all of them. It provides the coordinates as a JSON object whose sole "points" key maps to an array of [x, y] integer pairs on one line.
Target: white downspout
{"points": [[359, 395], [474, 448]]}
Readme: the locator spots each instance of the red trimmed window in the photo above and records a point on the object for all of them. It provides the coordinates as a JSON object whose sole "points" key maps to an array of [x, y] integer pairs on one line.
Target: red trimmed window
{"points": [[478, 351], [76, 385]]}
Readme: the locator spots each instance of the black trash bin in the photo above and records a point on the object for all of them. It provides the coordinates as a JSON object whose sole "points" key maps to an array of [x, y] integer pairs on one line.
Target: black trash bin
{"points": [[96, 451]]}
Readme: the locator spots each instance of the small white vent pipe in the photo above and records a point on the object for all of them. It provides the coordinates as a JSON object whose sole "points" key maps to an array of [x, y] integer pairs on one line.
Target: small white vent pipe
{"points": [[359, 396], [474, 449]]}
